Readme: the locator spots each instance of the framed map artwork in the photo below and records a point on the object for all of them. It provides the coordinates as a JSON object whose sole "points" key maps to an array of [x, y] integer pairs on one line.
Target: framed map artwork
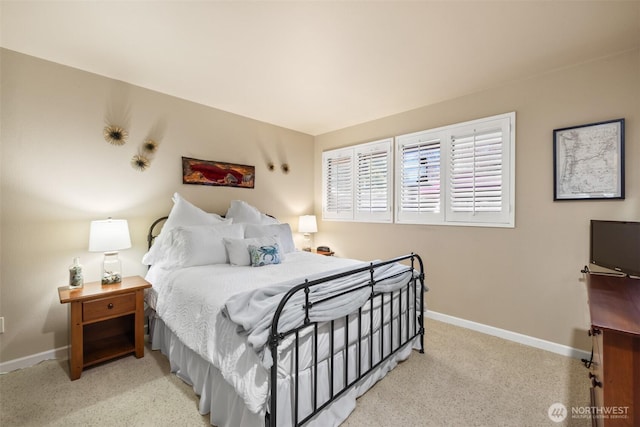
{"points": [[588, 161]]}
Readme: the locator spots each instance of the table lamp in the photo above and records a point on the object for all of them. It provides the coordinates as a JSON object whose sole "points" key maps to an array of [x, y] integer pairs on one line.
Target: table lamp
{"points": [[307, 224], [110, 236]]}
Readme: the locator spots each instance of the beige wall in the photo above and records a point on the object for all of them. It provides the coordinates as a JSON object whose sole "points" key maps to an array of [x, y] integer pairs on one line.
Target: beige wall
{"points": [[526, 279], [58, 174]]}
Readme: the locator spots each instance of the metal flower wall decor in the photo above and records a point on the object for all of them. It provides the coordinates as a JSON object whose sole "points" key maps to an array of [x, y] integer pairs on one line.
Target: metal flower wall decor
{"points": [[142, 160], [118, 120], [115, 135], [149, 146]]}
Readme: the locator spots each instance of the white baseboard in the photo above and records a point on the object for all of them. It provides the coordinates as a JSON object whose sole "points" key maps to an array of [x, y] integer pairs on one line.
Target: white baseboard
{"points": [[34, 359], [63, 352], [509, 335]]}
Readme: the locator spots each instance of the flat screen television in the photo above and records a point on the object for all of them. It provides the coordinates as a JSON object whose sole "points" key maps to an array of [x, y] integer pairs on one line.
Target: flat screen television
{"points": [[616, 245]]}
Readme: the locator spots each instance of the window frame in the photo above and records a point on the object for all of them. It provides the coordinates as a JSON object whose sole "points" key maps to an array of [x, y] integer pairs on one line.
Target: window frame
{"points": [[447, 215], [354, 213], [419, 214], [437, 210], [332, 208]]}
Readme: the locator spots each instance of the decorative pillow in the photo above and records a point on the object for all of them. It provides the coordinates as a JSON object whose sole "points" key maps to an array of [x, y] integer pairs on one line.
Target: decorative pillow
{"points": [[182, 213], [264, 255], [281, 231], [201, 244], [238, 249], [242, 212]]}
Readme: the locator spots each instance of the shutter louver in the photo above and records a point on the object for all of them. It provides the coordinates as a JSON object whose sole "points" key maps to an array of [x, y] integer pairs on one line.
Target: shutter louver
{"points": [[339, 185], [374, 181], [476, 172], [372, 186], [420, 177]]}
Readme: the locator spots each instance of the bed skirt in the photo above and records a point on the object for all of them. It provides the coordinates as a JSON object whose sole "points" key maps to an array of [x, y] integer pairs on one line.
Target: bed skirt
{"points": [[219, 399]]}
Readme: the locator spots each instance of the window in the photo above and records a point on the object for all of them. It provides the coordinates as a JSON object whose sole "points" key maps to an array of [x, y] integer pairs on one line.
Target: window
{"points": [[461, 174], [357, 182], [418, 194], [337, 168]]}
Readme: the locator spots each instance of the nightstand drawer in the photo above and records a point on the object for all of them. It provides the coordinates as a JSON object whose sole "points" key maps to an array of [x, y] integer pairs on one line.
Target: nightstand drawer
{"points": [[108, 307]]}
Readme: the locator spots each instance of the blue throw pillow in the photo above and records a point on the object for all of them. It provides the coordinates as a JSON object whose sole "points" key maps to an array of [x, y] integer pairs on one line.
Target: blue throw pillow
{"points": [[264, 255]]}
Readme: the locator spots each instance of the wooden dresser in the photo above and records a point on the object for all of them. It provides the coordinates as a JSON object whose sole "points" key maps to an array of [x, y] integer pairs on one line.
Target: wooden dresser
{"points": [[614, 305]]}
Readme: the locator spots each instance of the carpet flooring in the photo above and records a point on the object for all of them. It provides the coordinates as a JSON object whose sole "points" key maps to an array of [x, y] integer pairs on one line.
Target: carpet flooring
{"points": [[465, 378]]}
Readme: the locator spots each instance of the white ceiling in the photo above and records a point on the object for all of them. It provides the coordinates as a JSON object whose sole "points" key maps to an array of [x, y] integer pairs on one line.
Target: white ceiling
{"points": [[319, 66]]}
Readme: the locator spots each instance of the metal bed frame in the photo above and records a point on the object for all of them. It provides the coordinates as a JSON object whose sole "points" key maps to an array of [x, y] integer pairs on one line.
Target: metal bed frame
{"points": [[414, 289]]}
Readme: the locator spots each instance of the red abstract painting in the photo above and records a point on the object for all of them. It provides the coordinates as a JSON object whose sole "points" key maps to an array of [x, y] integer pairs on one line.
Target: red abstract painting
{"points": [[207, 172]]}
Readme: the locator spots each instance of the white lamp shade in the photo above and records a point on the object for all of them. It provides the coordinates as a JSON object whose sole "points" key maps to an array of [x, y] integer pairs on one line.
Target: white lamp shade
{"points": [[307, 224], [109, 235]]}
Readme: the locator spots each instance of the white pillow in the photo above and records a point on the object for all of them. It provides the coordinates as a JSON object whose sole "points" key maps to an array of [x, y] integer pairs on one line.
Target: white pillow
{"points": [[242, 212], [182, 213], [266, 219], [238, 249], [201, 244], [281, 231]]}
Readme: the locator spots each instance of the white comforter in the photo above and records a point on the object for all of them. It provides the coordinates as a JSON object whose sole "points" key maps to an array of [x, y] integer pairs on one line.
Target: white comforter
{"points": [[253, 311], [190, 300]]}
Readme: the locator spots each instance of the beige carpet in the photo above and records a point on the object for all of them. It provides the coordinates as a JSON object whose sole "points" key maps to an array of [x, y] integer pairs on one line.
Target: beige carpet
{"points": [[465, 378]]}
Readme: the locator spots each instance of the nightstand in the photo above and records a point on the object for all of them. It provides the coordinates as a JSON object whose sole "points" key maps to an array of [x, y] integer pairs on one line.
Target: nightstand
{"points": [[107, 321]]}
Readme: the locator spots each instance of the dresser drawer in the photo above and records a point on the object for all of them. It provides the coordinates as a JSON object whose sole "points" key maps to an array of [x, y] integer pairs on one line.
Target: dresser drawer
{"points": [[107, 307]]}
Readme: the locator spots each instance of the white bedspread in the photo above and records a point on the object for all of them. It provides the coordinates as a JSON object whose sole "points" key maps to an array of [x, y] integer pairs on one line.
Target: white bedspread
{"points": [[254, 310], [189, 301]]}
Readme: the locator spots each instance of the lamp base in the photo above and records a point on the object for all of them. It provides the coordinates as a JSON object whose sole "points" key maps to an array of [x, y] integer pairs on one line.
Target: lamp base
{"points": [[111, 269], [307, 242]]}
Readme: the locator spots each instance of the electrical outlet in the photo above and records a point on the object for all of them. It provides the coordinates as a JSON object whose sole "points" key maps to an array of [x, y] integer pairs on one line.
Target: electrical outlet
{"points": [[1, 325]]}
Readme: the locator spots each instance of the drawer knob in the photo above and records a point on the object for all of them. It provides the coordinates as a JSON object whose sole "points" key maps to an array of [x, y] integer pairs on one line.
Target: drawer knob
{"points": [[110, 306]]}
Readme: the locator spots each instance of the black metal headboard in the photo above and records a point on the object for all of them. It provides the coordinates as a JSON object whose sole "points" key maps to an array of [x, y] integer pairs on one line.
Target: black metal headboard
{"points": [[152, 230]]}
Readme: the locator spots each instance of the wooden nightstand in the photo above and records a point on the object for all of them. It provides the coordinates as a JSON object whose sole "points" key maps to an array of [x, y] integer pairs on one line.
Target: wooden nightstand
{"points": [[107, 321]]}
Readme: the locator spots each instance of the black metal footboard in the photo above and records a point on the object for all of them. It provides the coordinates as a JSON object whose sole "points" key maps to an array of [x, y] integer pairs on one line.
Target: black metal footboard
{"points": [[357, 343]]}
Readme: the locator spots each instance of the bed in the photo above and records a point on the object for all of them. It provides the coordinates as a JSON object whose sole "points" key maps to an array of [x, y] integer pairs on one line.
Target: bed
{"points": [[268, 335]]}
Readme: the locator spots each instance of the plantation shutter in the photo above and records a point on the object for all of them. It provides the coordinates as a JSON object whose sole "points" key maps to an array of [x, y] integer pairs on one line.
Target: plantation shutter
{"points": [[461, 174], [419, 195], [374, 181], [337, 184], [478, 181]]}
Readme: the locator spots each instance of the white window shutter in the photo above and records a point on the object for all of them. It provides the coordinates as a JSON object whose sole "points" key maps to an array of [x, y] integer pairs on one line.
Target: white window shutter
{"points": [[374, 181], [337, 192], [461, 174], [478, 173], [419, 197]]}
